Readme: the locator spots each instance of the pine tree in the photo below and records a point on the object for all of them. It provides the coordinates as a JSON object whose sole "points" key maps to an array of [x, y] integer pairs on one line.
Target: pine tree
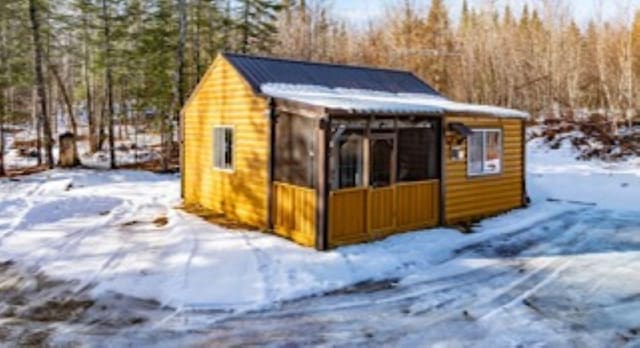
{"points": [[257, 25], [438, 39]]}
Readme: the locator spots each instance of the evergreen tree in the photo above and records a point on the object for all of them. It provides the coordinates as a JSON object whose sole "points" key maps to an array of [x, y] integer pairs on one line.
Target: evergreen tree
{"points": [[438, 39], [257, 25]]}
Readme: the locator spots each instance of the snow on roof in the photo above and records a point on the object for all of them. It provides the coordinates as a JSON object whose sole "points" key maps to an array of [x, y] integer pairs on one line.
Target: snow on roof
{"points": [[367, 101]]}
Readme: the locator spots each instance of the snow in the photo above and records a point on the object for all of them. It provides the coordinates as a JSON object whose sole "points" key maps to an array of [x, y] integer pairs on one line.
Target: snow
{"points": [[366, 101], [573, 255], [97, 227], [557, 174], [147, 145], [102, 220]]}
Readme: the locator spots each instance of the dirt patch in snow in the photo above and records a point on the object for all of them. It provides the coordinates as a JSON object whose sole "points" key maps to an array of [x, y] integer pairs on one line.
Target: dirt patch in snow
{"points": [[36, 310], [161, 221]]}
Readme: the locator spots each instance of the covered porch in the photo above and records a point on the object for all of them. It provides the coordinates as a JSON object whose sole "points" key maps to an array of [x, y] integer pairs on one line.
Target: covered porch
{"points": [[342, 177]]}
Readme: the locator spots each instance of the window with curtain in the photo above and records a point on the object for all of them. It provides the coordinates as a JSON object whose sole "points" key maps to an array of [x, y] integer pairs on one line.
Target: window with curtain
{"points": [[223, 148], [485, 152]]}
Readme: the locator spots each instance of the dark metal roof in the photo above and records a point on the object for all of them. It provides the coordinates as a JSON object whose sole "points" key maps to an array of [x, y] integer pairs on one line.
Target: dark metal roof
{"points": [[261, 70]]}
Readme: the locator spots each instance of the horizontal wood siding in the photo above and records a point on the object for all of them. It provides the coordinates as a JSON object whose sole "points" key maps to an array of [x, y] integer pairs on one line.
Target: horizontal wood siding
{"points": [[295, 213], [225, 99], [469, 198], [365, 214]]}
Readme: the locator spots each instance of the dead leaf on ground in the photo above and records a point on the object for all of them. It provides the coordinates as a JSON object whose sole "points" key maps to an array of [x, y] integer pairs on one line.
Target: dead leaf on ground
{"points": [[161, 221]]}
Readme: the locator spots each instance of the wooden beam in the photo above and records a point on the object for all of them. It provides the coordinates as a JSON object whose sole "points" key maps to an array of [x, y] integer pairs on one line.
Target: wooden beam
{"points": [[322, 190], [366, 155], [442, 131], [394, 154], [300, 109], [273, 119]]}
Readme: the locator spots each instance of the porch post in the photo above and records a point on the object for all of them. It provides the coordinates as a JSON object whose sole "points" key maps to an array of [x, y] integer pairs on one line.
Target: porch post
{"points": [[366, 154], [444, 153], [323, 187], [273, 118]]}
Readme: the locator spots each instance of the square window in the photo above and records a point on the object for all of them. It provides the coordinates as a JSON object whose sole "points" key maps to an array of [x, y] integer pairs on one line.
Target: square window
{"points": [[485, 152]]}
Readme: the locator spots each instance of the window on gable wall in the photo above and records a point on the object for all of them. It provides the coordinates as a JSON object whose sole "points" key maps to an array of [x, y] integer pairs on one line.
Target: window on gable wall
{"points": [[223, 148], [485, 152]]}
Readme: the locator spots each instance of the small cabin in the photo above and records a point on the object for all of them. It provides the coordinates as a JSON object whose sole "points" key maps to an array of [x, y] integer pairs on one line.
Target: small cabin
{"points": [[329, 155]]}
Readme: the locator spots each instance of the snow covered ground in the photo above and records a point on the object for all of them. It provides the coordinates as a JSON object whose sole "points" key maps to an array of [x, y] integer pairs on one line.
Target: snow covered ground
{"points": [[146, 144], [565, 271]]}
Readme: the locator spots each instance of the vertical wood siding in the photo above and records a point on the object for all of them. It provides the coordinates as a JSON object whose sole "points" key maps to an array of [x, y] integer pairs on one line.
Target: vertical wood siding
{"points": [[348, 216], [382, 209], [295, 213], [365, 214], [469, 198], [417, 204], [225, 99]]}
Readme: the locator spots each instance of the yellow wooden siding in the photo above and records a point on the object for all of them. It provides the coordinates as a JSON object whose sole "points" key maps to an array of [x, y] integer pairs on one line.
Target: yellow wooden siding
{"points": [[417, 204], [348, 216], [365, 214], [381, 209], [225, 99], [295, 213], [469, 198]]}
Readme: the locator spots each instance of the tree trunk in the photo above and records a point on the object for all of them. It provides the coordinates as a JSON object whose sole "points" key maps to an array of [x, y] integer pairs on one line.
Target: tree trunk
{"points": [[245, 26], [108, 83], [40, 83], [178, 84], [37, 125], [69, 106], [196, 41], [93, 141], [4, 92], [3, 112]]}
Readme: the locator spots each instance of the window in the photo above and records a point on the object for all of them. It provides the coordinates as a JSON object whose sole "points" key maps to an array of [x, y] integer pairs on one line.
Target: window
{"points": [[485, 152], [350, 169], [223, 148], [417, 154], [382, 148]]}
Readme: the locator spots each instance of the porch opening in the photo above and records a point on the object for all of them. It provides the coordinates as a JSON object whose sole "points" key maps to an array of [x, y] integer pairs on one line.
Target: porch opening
{"points": [[384, 178]]}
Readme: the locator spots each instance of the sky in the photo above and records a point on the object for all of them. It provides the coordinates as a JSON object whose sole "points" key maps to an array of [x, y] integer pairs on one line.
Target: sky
{"points": [[360, 11]]}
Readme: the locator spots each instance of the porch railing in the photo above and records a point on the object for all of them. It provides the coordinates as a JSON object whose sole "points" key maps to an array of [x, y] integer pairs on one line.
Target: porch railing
{"points": [[363, 214], [294, 212]]}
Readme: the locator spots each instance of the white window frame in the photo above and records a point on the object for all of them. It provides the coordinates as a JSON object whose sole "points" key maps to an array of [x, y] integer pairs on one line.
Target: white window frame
{"points": [[233, 148], [484, 132]]}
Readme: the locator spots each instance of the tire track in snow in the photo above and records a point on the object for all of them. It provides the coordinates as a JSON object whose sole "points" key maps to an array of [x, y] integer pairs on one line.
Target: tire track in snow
{"points": [[29, 205], [512, 271], [262, 260]]}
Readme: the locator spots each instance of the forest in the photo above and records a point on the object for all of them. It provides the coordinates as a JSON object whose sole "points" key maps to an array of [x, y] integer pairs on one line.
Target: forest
{"points": [[104, 69]]}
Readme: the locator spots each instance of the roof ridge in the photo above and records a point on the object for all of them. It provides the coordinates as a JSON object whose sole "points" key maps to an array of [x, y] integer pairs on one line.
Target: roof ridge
{"points": [[306, 62]]}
